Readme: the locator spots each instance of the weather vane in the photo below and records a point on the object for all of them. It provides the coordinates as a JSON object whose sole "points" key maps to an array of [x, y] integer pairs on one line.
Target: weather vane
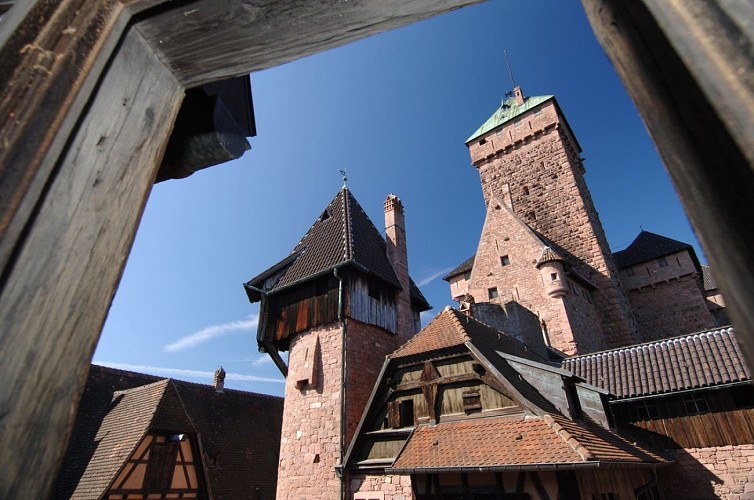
{"points": [[345, 177]]}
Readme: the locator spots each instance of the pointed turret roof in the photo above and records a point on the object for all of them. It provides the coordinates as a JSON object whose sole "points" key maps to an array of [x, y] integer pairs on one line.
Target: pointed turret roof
{"points": [[508, 110], [343, 235]]}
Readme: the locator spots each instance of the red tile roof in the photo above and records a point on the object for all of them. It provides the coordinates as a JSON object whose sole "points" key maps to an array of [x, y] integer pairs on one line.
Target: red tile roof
{"points": [[452, 328], [506, 442], [691, 361]]}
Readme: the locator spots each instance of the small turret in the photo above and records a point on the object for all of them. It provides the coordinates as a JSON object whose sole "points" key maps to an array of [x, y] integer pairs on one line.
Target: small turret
{"points": [[550, 266]]}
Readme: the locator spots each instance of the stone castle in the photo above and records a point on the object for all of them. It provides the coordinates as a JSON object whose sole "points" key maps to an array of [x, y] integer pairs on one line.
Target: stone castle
{"points": [[362, 385]]}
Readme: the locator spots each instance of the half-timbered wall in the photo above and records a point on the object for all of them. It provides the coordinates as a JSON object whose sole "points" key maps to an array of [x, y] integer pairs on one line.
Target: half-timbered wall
{"points": [[160, 468], [694, 419]]}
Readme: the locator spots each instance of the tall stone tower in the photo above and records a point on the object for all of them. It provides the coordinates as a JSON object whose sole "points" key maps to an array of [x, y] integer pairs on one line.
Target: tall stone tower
{"points": [[528, 157], [339, 303]]}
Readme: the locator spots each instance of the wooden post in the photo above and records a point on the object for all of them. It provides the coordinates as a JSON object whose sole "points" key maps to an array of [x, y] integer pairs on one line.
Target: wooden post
{"points": [[65, 271], [689, 69]]}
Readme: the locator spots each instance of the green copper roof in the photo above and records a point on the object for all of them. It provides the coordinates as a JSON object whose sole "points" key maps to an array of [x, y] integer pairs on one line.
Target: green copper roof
{"points": [[507, 111]]}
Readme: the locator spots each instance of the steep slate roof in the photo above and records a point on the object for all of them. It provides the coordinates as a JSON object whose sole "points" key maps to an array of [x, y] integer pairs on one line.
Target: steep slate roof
{"points": [[499, 443], [118, 407], [121, 428], [691, 361], [708, 279], [452, 328], [649, 246], [463, 267], [507, 111], [342, 235]]}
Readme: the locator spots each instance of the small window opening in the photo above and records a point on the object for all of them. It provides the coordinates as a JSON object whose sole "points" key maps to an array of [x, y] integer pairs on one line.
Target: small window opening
{"points": [[482, 142], [472, 402], [406, 410], [630, 271], [648, 410], [492, 293], [374, 290], [554, 276], [662, 262], [531, 215], [695, 404], [526, 190], [467, 275], [505, 260]]}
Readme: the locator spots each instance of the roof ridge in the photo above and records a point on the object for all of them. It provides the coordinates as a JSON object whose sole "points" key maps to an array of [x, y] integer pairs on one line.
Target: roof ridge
{"points": [[726, 330], [455, 319], [347, 223], [140, 388], [569, 438]]}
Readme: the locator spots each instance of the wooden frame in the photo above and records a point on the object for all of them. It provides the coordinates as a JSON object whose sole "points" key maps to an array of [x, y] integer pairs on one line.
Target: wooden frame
{"points": [[92, 92]]}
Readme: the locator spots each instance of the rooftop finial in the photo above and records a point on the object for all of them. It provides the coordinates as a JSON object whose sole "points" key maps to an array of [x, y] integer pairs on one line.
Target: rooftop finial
{"points": [[345, 178]]}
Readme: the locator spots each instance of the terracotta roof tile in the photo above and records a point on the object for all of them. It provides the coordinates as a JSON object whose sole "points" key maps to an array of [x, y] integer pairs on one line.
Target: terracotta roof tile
{"points": [[499, 442], [699, 360]]}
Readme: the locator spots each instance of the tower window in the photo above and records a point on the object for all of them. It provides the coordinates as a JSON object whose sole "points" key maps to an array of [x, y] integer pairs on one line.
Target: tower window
{"points": [[482, 142], [554, 276], [492, 292], [526, 190], [531, 215], [630, 271], [505, 260], [662, 262]]}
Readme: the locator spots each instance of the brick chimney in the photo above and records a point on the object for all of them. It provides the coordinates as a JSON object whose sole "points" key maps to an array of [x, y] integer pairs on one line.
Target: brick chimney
{"points": [[219, 381], [395, 240], [519, 95]]}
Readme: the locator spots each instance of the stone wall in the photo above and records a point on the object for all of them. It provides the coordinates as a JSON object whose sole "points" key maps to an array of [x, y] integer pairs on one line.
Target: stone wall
{"points": [[534, 162], [672, 308], [700, 473], [311, 443], [392, 487]]}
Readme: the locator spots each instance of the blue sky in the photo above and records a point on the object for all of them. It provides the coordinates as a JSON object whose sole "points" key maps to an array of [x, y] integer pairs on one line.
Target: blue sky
{"points": [[393, 110]]}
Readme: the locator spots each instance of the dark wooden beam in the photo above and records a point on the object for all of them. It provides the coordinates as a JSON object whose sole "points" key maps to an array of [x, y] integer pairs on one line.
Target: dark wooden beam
{"points": [[689, 68], [203, 41], [65, 270]]}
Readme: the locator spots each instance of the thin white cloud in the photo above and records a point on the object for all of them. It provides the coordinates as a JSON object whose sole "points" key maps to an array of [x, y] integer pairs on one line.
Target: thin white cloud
{"points": [[212, 331], [262, 360], [434, 276], [181, 372]]}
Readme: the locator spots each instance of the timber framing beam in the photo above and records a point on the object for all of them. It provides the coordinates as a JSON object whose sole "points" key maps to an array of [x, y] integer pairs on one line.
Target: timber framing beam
{"points": [[91, 92]]}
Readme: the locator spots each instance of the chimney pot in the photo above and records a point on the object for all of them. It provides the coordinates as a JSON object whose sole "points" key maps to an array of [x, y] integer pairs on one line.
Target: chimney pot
{"points": [[219, 381]]}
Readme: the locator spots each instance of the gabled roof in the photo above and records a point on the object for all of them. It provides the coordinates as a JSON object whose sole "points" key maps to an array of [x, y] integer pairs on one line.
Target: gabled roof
{"points": [[649, 246], [452, 328], [699, 360], [125, 420], [342, 235], [520, 443], [118, 407], [507, 111]]}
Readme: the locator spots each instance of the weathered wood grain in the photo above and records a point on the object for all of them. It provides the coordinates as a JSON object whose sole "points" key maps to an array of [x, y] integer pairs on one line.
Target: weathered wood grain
{"points": [[50, 60], [208, 40], [689, 68], [56, 296]]}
